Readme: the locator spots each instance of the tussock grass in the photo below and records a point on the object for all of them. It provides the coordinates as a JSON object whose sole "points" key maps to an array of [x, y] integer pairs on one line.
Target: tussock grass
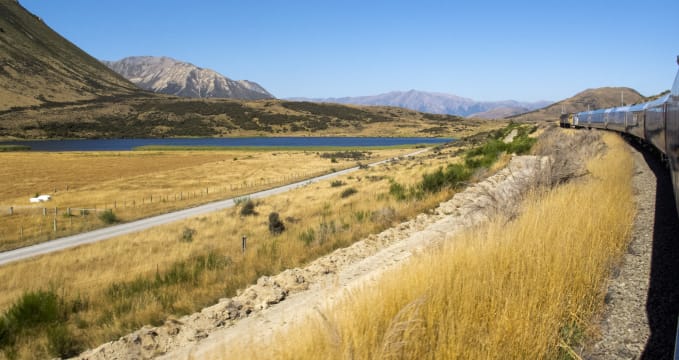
{"points": [[138, 184], [179, 268], [524, 289]]}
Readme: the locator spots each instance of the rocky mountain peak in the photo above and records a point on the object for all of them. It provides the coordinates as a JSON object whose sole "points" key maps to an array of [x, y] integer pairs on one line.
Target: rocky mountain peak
{"points": [[166, 75]]}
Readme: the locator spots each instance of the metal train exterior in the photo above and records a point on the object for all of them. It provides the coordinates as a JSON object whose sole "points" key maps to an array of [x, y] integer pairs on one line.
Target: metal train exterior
{"points": [[655, 122]]}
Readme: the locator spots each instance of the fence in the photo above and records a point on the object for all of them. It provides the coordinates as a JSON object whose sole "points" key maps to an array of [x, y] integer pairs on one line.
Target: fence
{"points": [[24, 224]]}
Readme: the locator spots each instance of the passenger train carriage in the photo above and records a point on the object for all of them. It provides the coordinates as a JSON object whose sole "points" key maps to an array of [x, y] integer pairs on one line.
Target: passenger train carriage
{"points": [[655, 122]]}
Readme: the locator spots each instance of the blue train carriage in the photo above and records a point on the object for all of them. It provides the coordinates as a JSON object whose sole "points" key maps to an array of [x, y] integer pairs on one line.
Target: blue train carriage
{"points": [[615, 118], [672, 137], [655, 119]]}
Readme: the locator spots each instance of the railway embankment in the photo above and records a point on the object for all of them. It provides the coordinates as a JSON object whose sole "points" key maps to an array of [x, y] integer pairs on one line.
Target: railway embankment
{"points": [[642, 298]]}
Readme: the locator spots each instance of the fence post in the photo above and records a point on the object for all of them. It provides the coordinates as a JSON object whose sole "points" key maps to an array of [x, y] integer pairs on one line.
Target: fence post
{"points": [[244, 243], [68, 212], [55, 224], [44, 211], [11, 210], [21, 233]]}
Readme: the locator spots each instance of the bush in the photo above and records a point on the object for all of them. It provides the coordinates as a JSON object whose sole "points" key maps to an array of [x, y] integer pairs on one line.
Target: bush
{"points": [[348, 192], [276, 226], [398, 191], [61, 343], [187, 235], [33, 309], [308, 236], [241, 200], [108, 217], [337, 183], [248, 208]]}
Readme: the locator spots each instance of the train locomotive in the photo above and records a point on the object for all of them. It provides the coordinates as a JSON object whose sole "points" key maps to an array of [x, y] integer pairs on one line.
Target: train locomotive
{"points": [[655, 122]]}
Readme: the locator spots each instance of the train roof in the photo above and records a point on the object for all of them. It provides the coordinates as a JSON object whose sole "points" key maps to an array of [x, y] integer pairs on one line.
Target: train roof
{"points": [[637, 107]]}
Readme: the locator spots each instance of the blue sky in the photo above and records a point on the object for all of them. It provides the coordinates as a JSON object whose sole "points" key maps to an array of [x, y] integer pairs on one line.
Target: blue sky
{"points": [[485, 50]]}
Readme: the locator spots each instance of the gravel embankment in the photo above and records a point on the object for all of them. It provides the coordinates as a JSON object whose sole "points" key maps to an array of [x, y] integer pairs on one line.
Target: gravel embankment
{"points": [[642, 301]]}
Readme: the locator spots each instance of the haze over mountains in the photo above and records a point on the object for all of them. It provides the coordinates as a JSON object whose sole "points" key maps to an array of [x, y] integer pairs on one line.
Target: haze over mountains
{"points": [[169, 76], [439, 103]]}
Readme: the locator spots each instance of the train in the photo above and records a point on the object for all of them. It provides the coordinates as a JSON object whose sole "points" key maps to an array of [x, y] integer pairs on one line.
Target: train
{"points": [[654, 122]]}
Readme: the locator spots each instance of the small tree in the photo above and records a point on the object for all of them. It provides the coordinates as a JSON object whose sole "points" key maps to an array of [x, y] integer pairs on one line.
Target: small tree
{"points": [[248, 208], [276, 226]]}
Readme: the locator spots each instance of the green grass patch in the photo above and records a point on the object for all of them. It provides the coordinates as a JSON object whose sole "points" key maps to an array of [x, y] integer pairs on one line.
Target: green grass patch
{"points": [[8, 148], [482, 156]]}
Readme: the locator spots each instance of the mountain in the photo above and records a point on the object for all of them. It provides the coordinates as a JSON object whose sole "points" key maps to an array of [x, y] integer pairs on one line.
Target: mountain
{"points": [[169, 76], [431, 102], [598, 98], [39, 67]]}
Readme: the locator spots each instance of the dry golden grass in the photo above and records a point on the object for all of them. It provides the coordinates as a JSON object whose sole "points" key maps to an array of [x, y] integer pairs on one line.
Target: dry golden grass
{"points": [[96, 273], [519, 290], [138, 184]]}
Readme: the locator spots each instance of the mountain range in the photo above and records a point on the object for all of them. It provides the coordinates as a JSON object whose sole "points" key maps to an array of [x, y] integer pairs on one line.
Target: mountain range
{"points": [[39, 67], [169, 76], [49, 88], [438, 103]]}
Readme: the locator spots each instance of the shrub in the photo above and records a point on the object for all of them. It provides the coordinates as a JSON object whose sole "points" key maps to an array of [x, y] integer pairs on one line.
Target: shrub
{"points": [[248, 208], [187, 235], [361, 215], [397, 190], [433, 182], [348, 192], [241, 200], [308, 236], [337, 183], [61, 343], [276, 226], [33, 309], [108, 217]]}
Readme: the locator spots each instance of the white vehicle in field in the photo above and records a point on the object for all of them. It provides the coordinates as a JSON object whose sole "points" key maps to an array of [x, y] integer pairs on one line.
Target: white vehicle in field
{"points": [[40, 198]]}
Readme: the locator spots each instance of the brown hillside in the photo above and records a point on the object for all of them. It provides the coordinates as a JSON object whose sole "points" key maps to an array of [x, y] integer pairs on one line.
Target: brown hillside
{"points": [[591, 98], [39, 67]]}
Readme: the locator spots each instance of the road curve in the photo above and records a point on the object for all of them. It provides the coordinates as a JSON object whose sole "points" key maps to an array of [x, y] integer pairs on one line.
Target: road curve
{"points": [[143, 224]]}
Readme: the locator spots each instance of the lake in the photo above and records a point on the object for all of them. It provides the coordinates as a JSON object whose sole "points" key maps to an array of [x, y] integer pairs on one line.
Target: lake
{"points": [[130, 144]]}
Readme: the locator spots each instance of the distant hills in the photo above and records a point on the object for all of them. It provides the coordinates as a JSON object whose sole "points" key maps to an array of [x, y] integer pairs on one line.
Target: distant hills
{"points": [[438, 103], [39, 67], [169, 76], [589, 99], [49, 88]]}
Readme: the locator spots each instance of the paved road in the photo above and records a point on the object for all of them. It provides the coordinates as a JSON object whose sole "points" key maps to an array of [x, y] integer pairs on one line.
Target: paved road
{"points": [[143, 224]]}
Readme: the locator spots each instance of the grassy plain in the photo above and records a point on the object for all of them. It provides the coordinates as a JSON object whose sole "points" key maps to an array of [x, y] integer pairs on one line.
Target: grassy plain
{"points": [[142, 183], [111, 288], [514, 289], [118, 278]]}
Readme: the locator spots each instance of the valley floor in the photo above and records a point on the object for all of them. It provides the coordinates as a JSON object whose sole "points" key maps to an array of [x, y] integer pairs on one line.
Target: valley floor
{"points": [[277, 302]]}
